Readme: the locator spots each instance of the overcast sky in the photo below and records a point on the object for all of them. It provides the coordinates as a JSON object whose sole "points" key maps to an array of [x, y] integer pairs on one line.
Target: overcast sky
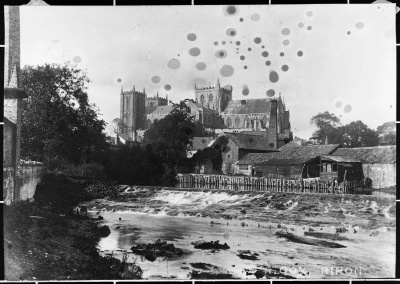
{"points": [[339, 58]]}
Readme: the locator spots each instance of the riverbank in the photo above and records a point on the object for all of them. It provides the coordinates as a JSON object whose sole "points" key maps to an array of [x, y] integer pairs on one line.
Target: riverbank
{"points": [[44, 240]]}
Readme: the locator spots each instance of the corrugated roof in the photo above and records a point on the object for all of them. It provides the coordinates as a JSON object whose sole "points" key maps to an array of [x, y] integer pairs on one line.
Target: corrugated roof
{"points": [[341, 159], [248, 106], [199, 143], [249, 142], [370, 155], [295, 154], [254, 158]]}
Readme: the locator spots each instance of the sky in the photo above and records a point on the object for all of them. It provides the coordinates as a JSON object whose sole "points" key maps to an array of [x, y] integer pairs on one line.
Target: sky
{"points": [[336, 58]]}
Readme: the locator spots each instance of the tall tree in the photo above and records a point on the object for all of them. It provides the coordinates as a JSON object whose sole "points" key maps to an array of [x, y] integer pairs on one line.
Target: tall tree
{"points": [[327, 124], [387, 133], [58, 122], [358, 134], [168, 139]]}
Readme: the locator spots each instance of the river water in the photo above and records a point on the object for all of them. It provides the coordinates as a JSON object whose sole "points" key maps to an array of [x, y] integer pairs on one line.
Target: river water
{"points": [[171, 216]]}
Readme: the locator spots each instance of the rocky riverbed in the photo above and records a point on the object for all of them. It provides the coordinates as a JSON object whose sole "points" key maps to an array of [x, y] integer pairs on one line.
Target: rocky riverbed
{"points": [[248, 222]]}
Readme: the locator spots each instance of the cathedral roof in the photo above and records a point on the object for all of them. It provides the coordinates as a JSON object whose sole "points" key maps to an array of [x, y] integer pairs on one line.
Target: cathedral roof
{"points": [[159, 109], [249, 142], [248, 106]]}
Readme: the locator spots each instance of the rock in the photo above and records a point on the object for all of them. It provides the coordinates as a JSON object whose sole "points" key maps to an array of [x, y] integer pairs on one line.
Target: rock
{"points": [[100, 218], [210, 245], [246, 254], [243, 211], [259, 274], [150, 255]]}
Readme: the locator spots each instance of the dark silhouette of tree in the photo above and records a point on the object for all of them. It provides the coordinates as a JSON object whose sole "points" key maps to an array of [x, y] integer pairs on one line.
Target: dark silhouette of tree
{"points": [[168, 139], [357, 134], [58, 122]]}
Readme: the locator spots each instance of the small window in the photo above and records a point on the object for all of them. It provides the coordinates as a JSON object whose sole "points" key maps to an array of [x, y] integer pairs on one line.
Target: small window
{"points": [[328, 168], [243, 167], [334, 167]]}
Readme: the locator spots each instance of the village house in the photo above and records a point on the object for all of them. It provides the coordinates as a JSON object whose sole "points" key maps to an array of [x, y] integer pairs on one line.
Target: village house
{"points": [[296, 162]]}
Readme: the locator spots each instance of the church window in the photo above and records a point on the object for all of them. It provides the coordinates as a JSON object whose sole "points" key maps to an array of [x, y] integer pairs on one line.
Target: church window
{"points": [[200, 116], [237, 122], [202, 99], [148, 124], [246, 123], [210, 98], [229, 122]]}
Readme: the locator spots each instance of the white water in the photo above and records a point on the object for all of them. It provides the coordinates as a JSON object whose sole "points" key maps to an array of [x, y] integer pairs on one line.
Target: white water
{"points": [[129, 227]]}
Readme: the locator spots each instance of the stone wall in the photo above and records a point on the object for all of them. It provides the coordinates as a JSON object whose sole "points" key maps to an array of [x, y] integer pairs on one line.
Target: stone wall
{"points": [[382, 175], [24, 186]]}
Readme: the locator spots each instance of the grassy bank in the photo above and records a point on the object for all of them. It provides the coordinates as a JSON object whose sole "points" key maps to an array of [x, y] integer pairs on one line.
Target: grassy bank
{"points": [[43, 240]]}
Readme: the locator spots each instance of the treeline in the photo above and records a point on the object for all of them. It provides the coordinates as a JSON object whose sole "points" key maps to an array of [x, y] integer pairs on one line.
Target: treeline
{"points": [[354, 134], [62, 129]]}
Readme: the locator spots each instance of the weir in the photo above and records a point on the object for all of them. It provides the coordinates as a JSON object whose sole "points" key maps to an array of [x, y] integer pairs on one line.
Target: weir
{"points": [[267, 184]]}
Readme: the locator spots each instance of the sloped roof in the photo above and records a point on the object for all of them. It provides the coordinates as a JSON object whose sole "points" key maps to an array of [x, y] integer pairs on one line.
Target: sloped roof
{"points": [[159, 109], [295, 154], [254, 158], [286, 162], [126, 137], [248, 106], [199, 143], [369, 155], [341, 159], [249, 142]]}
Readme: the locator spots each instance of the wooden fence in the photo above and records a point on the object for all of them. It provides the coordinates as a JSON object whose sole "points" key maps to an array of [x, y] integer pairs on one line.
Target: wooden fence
{"points": [[265, 183]]}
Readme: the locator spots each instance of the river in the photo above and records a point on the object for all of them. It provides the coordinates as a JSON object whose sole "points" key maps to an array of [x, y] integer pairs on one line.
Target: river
{"points": [[182, 217]]}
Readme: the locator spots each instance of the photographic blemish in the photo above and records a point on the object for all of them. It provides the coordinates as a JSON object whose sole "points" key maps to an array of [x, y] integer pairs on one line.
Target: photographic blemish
{"points": [[167, 87], [231, 32], [309, 14], [194, 51], [77, 59], [227, 70], [285, 31], [201, 66], [268, 63], [270, 93], [273, 76], [255, 17], [155, 79], [245, 90], [285, 68], [300, 53], [221, 54], [285, 42], [264, 53], [347, 108], [257, 40], [338, 104], [174, 63], [191, 37], [242, 57]]}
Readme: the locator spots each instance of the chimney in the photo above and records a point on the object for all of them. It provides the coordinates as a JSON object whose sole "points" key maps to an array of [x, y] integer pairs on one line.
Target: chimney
{"points": [[273, 125], [326, 140]]}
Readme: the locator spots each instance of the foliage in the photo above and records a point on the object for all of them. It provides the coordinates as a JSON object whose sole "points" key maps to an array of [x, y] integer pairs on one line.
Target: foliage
{"points": [[58, 122], [387, 133], [168, 139], [354, 134], [209, 154], [327, 123], [200, 131], [357, 134]]}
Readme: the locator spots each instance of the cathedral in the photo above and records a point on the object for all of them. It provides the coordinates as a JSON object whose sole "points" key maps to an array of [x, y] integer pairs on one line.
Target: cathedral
{"points": [[214, 108]]}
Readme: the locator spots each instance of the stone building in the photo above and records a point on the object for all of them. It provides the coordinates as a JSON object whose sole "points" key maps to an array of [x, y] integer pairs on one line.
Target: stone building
{"points": [[19, 178], [378, 163], [214, 108]]}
